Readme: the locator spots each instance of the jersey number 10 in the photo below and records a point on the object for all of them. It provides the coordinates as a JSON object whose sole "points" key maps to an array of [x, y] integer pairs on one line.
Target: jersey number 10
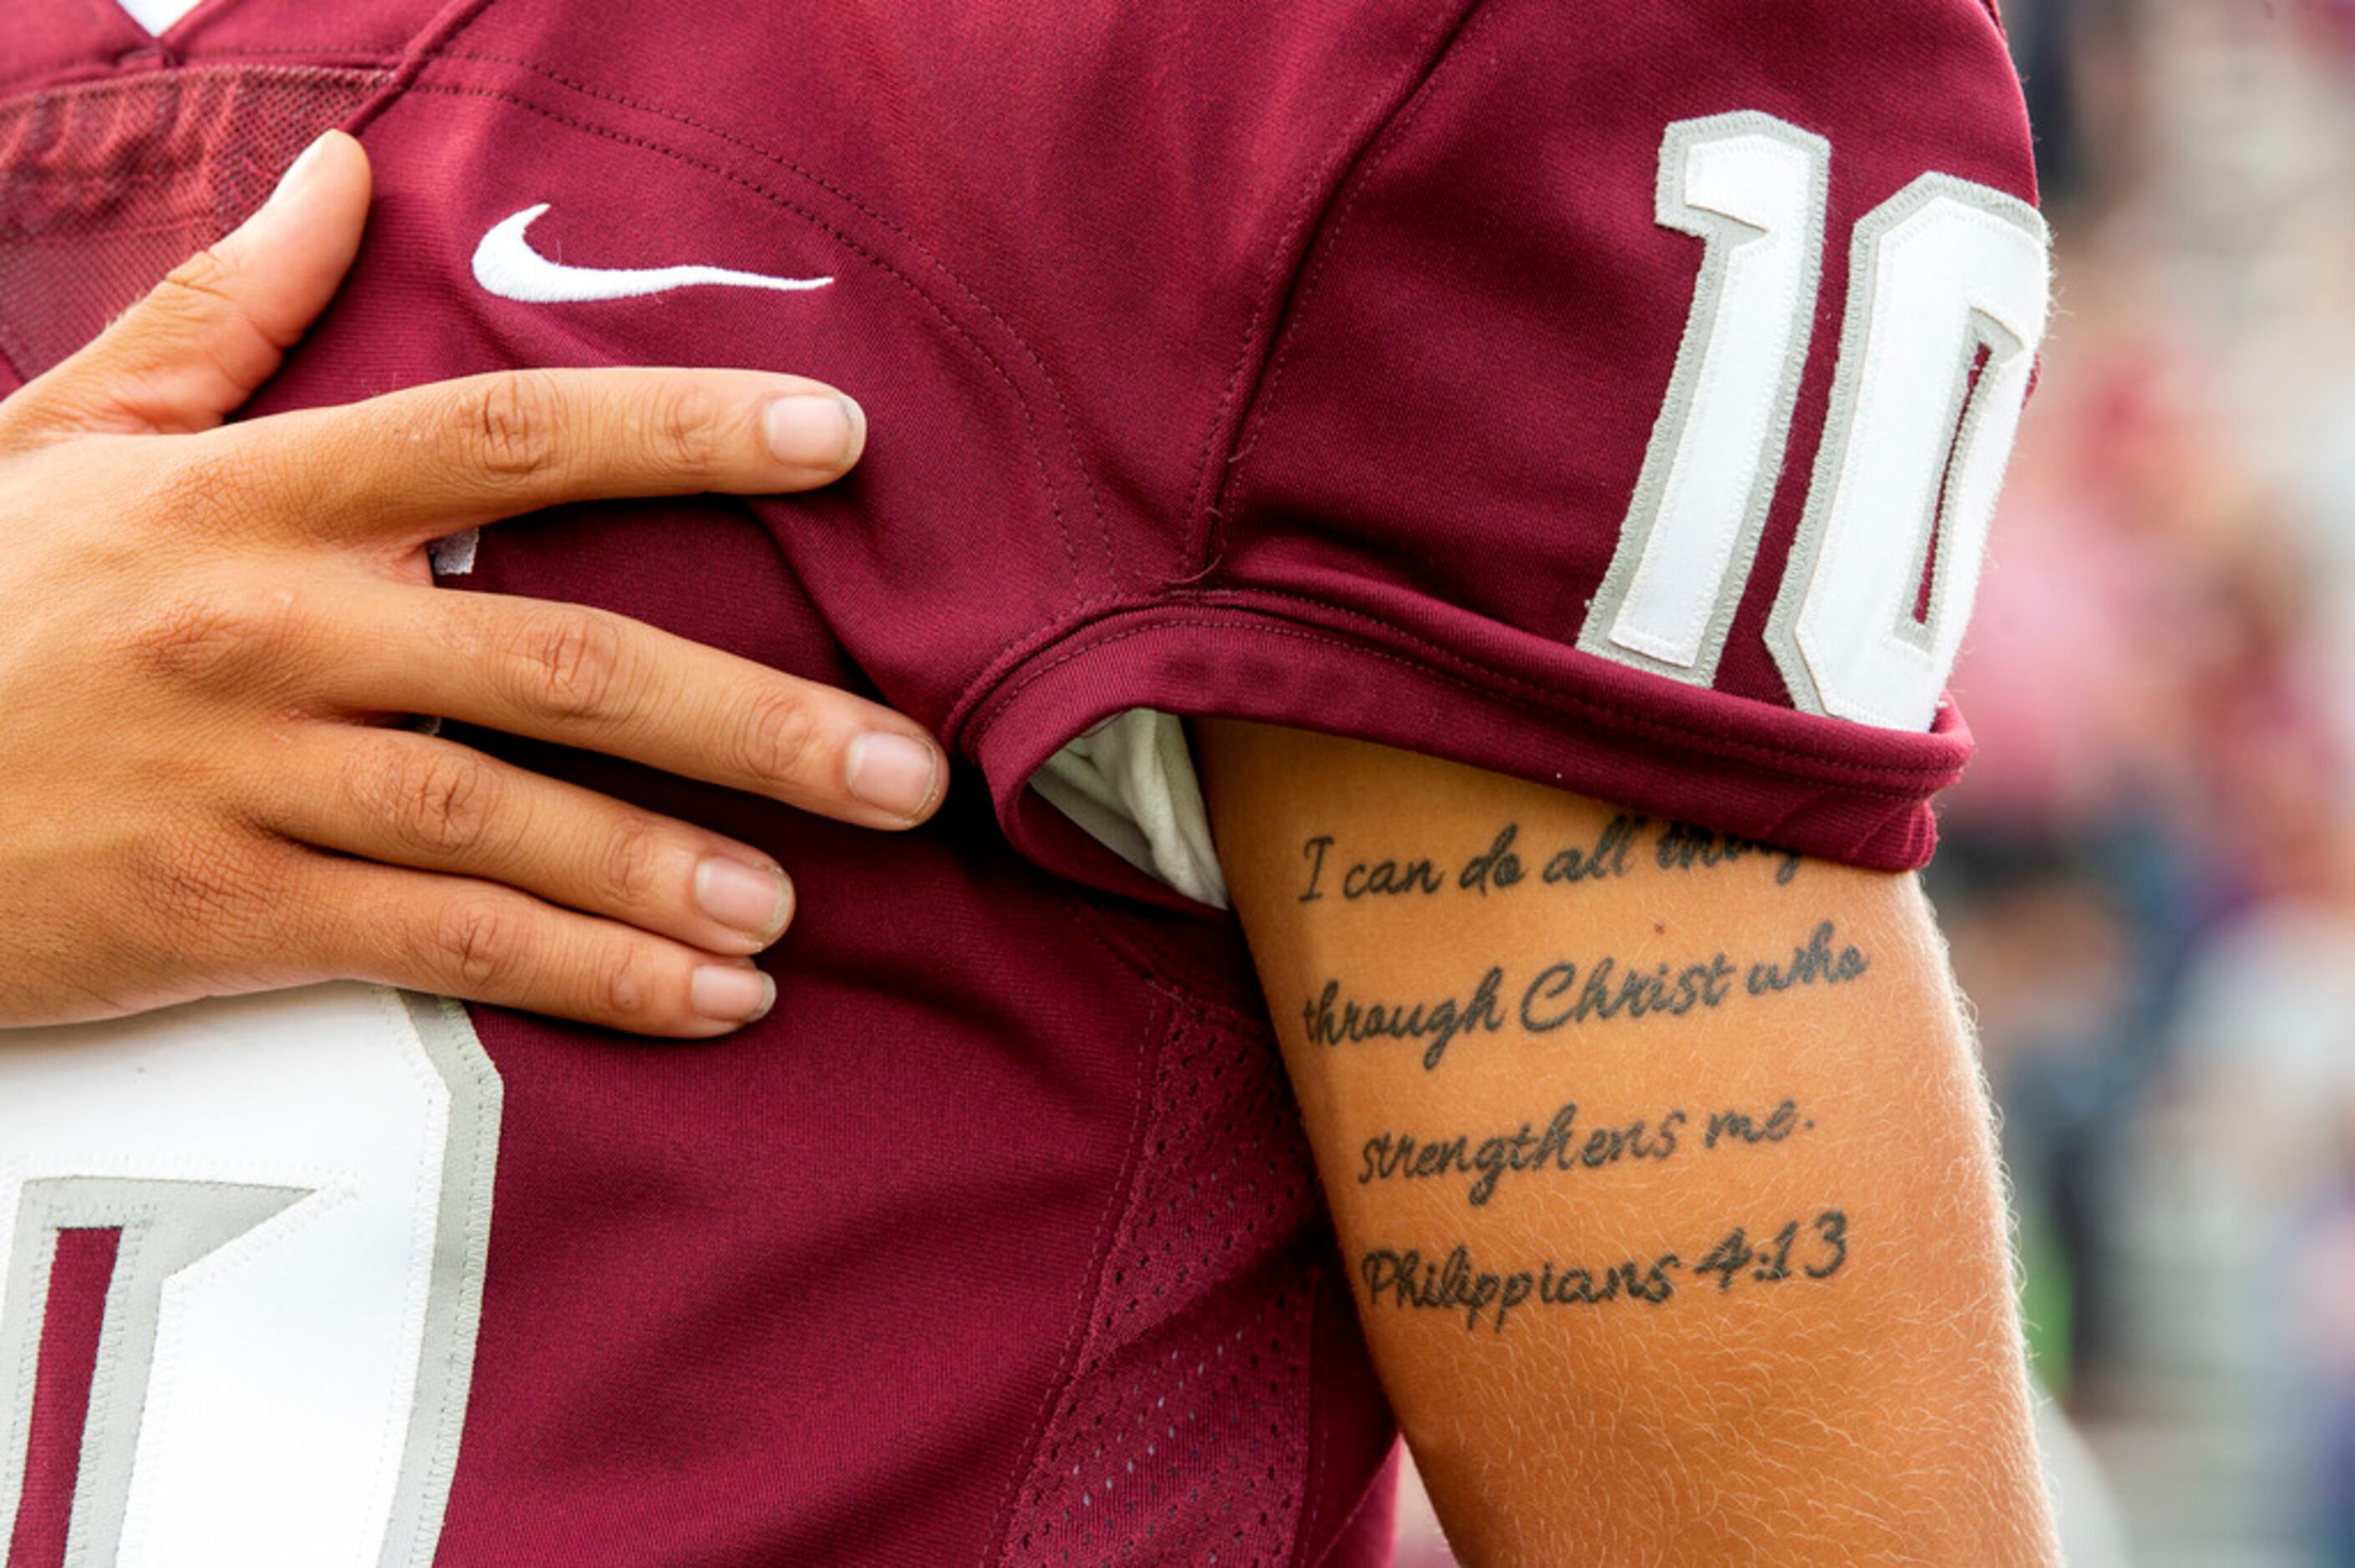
{"points": [[1947, 297]]}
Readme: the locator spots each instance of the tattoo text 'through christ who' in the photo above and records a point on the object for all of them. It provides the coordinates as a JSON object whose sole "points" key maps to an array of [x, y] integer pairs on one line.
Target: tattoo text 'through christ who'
{"points": [[1567, 994]]}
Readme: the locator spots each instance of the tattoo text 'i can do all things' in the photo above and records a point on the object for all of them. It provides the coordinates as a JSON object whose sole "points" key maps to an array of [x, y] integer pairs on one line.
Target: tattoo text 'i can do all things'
{"points": [[1567, 993], [1625, 844]]}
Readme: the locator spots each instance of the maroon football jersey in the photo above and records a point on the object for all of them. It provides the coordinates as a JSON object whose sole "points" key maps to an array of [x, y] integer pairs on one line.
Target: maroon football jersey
{"points": [[1612, 397]]}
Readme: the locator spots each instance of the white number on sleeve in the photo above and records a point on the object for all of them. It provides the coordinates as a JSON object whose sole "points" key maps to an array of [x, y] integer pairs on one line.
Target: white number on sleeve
{"points": [[1751, 189], [1920, 429], [1947, 301]]}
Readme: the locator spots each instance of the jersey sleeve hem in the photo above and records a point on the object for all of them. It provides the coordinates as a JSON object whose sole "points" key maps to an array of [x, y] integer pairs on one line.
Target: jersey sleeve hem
{"points": [[1491, 697]]}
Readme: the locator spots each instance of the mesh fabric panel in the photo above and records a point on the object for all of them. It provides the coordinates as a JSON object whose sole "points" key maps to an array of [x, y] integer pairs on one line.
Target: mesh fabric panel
{"points": [[106, 186], [1182, 1435]]}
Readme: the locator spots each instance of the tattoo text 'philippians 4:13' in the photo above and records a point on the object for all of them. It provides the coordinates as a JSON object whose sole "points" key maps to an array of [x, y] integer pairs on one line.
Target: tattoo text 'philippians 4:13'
{"points": [[1487, 1296]]}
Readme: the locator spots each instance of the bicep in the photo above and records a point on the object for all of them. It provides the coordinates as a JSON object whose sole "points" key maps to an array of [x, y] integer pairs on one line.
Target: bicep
{"points": [[1660, 1161]]}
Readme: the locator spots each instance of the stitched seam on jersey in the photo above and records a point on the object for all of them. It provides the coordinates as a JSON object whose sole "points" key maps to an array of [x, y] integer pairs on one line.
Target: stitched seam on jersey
{"points": [[1320, 1444], [1136, 954], [1265, 396], [1357, 1508], [985, 700], [1038, 452], [981, 695], [423, 50], [387, 60], [1541, 697], [1311, 1284], [1054, 387], [1018, 1484], [325, 57], [1357, 181], [1281, 274]]}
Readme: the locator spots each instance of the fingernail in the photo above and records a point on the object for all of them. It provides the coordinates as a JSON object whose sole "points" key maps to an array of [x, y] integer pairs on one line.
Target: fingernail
{"points": [[299, 170], [742, 897], [815, 430], [729, 995], [892, 772]]}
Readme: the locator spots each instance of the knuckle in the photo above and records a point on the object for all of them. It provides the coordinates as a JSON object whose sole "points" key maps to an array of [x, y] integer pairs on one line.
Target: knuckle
{"points": [[183, 495], [190, 886], [217, 483], [513, 421], [636, 859], [778, 737], [187, 638], [568, 663], [25, 423], [686, 430], [214, 631], [616, 984], [440, 803], [195, 290], [474, 942], [189, 311]]}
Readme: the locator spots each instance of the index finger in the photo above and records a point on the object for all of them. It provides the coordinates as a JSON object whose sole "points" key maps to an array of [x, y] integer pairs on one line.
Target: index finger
{"points": [[417, 464]]}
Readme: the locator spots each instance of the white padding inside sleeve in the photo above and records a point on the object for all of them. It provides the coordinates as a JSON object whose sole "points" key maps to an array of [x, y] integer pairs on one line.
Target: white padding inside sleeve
{"points": [[1129, 783], [454, 557]]}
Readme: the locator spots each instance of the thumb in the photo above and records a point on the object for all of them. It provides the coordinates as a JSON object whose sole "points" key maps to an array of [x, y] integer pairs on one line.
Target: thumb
{"points": [[195, 348]]}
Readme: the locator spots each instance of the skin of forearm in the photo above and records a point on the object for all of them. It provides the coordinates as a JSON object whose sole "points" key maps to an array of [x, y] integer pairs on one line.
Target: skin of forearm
{"points": [[1660, 1162]]}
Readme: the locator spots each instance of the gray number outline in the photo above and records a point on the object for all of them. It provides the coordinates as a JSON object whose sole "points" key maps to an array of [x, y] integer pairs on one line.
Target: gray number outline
{"points": [[169, 1224], [1721, 237]]}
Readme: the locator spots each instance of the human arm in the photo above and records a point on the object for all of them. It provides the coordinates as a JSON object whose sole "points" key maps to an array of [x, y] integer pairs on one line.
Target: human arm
{"points": [[208, 628], [1607, 1372]]}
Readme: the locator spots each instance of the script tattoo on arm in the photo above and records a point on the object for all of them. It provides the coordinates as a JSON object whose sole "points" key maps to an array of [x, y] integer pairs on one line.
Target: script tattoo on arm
{"points": [[1618, 851], [1644, 1142], [1482, 1161], [1407, 1280], [1569, 993]]}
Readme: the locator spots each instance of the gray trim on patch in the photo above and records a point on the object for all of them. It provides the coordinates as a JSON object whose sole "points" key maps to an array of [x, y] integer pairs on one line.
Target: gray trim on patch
{"points": [[453, 1306], [168, 1224], [1840, 423], [1966, 412], [1721, 236]]}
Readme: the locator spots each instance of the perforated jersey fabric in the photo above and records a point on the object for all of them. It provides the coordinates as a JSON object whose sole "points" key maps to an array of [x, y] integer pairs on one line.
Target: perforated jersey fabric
{"points": [[105, 189], [1293, 364], [1178, 1437]]}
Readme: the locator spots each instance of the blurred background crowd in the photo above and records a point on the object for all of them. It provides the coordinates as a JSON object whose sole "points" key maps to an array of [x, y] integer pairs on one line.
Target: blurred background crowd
{"points": [[2149, 876]]}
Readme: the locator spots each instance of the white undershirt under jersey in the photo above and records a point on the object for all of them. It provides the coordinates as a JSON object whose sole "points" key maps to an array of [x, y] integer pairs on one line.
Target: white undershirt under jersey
{"points": [[1129, 783], [157, 14]]}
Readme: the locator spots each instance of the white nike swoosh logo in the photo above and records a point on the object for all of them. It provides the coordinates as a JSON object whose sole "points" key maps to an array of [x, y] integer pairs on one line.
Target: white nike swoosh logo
{"points": [[507, 265]]}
